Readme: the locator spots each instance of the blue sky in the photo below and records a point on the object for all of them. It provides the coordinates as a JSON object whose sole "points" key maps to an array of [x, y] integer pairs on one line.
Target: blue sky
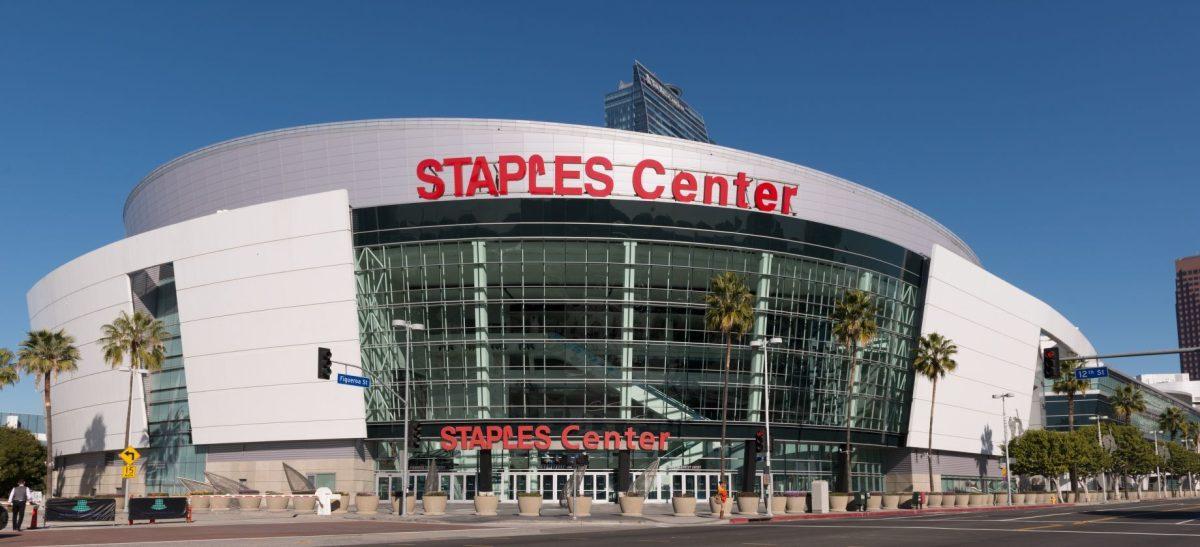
{"points": [[1061, 140]]}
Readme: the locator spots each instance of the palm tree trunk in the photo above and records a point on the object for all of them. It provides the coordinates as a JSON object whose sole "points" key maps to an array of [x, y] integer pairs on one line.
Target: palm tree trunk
{"points": [[128, 414], [929, 450], [724, 419], [1071, 411], [49, 488], [846, 460]]}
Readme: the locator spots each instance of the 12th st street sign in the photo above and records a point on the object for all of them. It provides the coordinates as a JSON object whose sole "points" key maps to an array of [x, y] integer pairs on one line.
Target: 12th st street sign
{"points": [[1089, 373], [360, 381]]}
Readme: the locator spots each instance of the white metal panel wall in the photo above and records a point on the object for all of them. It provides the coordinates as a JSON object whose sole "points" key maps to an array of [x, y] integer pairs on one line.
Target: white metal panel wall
{"points": [[997, 328], [259, 289]]}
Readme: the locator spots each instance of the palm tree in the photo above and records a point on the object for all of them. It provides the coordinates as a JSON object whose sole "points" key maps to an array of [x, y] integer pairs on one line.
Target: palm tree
{"points": [[45, 355], [140, 337], [853, 327], [731, 312], [1068, 384], [935, 358], [1171, 422], [1126, 401], [8, 373]]}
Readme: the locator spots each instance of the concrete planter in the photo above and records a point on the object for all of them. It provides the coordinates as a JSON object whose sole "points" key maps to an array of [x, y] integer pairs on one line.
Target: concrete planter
{"points": [[366, 503], [434, 504], [219, 503], [486, 504], [976, 500], [747, 505], [410, 504], [962, 500], [304, 504], [948, 499], [684, 506], [198, 501], [1000, 499], [278, 503], [875, 502], [249, 503], [838, 502], [1018, 498], [529, 506], [716, 507], [797, 504], [891, 502], [631, 506], [933, 500], [342, 504], [779, 504], [581, 506]]}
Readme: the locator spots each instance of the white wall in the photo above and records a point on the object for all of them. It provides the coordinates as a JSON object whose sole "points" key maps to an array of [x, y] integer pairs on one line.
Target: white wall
{"points": [[259, 289], [997, 328]]}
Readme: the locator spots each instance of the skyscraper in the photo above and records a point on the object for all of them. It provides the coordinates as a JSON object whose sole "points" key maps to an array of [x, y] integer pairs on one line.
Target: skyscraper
{"points": [[649, 105], [1187, 312]]}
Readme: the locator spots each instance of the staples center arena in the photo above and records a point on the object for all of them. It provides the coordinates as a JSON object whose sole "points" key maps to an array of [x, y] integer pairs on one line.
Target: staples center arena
{"points": [[559, 273]]}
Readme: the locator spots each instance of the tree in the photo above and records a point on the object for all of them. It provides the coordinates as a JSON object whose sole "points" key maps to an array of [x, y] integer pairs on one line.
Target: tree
{"points": [[140, 338], [1084, 453], [1180, 461], [45, 355], [1126, 401], [8, 372], [730, 311], [1039, 452], [1171, 422], [1134, 455], [935, 358], [1068, 384], [853, 327], [21, 457]]}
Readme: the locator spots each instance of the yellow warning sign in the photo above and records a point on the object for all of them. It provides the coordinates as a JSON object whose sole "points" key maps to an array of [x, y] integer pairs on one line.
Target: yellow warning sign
{"points": [[130, 455], [129, 471]]}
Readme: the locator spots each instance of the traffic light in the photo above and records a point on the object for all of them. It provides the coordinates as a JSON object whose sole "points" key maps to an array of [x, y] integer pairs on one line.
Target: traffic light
{"points": [[324, 363], [1050, 363], [760, 441], [414, 435]]}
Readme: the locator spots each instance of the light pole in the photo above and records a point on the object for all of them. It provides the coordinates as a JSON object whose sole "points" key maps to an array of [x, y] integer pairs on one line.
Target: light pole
{"points": [[764, 343], [1100, 443], [1004, 417], [408, 327], [1157, 457]]}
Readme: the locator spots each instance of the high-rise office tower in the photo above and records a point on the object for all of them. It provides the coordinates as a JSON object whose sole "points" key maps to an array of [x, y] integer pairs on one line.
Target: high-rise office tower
{"points": [[649, 105], [1187, 312]]}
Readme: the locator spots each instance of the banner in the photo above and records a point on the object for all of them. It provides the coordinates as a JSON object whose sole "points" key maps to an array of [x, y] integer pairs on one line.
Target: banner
{"points": [[158, 508], [81, 509]]}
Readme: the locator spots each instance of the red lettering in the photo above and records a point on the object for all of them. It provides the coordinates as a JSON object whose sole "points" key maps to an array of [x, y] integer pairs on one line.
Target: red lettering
{"points": [[646, 441], [612, 440], [606, 181], [481, 178], [741, 182], [637, 179], [537, 166], [464, 434], [437, 186], [629, 438], [448, 440], [662, 440], [562, 175], [566, 441], [524, 434], [542, 436], [478, 441], [683, 187], [764, 197], [507, 176], [507, 443], [720, 183], [789, 192], [457, 164], [591, 440]]}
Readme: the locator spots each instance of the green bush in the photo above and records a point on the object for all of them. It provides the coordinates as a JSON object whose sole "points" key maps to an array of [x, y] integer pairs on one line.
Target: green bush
{"points": [[21, 457], [528, 494]]}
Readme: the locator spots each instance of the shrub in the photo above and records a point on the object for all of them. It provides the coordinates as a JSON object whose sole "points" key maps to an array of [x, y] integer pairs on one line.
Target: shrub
{"points": [[793, 494], [440, 494], [528, 494], [747, 494], [365, 493], [685, 495]]}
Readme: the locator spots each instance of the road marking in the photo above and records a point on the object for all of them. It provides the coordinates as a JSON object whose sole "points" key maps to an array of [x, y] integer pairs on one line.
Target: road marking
{"points": [[1185, 522], [1096, 520], [1038, 527], [1011, 530], [1037, 516]]}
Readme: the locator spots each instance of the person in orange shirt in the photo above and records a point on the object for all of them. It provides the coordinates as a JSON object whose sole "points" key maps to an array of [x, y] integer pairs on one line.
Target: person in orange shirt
{"points": [[722, 496]]}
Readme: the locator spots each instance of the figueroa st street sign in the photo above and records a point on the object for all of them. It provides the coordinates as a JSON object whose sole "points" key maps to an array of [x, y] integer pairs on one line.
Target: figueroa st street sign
{"points": [[527, 437], [593, 176]]}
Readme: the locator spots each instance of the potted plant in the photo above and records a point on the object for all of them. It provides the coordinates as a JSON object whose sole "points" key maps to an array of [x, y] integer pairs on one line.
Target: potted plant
{"points": [[434, 503], [796, 501], [631, 503], [410, 503], [581, 506], [891, 500], [366, 502], [977, 499], [199, 499], [933, 499], [303, 501], [747, 503], [715, 506], [962, 499], [838, 501], [249, 502], [342, 503], [529, 504], [778, 503], [875, 501], [949, 499], [999, 498], [486, 504], [684, 504], [277, 501]]}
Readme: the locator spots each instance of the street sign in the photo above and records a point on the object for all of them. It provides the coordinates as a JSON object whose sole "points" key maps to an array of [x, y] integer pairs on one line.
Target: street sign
{"points": [[130, 455], [360, 381], [129, 471], [1089, 373]]}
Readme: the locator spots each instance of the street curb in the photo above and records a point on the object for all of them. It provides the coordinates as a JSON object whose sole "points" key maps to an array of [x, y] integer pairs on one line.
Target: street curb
{"points": [[898, 512]]}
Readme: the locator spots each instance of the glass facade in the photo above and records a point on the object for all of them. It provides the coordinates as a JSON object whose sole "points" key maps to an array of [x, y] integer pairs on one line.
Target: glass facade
{"points": [[592, 311], [648, 105], [1095, 401], [171, 453]]}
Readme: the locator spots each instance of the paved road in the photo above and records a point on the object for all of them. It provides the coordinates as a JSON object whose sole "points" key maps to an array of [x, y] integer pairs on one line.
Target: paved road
{"points": [[229, 533]]}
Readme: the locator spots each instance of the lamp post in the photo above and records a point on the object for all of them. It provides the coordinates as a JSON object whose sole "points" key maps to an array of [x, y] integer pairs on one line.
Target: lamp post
{"points": [[1099, 442], [764, 343], [1004, 417], [1158, 456], [408, 327]]}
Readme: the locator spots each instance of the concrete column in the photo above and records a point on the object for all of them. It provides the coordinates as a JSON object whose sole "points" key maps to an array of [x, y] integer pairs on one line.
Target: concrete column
{"points": [[483, 358], [757, 365], [627, 329]]}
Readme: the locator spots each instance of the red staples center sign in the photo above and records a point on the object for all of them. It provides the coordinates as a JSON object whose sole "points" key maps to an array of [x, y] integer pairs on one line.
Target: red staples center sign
{"points": [[528, 437], [593, 177]]}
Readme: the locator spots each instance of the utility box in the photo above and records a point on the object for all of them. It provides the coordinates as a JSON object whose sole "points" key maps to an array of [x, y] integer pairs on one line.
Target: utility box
{"points": [[820, 496]]}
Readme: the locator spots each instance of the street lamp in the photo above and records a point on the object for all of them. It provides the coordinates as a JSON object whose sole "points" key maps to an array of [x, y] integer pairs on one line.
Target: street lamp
{"points": [[1157, 457], [1104, 480], [408, 327], [764, 343], [1004, 417]]}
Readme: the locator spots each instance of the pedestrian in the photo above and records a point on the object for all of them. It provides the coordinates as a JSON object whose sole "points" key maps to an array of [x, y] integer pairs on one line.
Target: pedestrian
{"points": [[18, 497]]}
